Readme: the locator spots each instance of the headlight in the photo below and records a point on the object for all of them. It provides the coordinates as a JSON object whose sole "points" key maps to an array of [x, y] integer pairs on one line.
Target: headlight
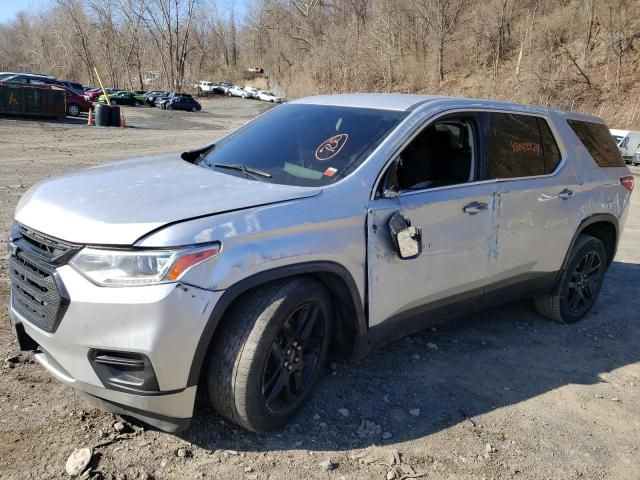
{"points": [[124, 268]]}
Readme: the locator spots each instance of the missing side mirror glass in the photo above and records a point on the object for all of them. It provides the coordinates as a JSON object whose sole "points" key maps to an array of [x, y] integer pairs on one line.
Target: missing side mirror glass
{"points": [[406, 238]]}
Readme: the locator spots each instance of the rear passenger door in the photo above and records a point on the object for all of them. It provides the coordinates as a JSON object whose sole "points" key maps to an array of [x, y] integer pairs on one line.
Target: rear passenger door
{"points": [[535, 206]]}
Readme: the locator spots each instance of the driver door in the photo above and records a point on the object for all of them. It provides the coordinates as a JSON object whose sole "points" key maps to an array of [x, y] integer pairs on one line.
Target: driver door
{"points": [[455, 213]]}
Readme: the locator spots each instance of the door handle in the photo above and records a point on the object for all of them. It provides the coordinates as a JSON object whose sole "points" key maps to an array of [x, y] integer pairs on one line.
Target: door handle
{"points": [[565, 194], [475, 207]]}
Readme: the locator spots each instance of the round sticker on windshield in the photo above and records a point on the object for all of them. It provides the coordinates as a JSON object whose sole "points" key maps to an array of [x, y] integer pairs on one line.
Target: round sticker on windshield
{"points": [[331, 146]]}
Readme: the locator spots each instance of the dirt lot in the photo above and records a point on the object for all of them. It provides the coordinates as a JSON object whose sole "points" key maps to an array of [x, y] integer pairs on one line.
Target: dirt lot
{"points": [[500, 395]]}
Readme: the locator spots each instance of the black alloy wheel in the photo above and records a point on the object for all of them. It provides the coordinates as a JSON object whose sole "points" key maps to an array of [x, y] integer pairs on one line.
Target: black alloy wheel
{"points": [[584, 284], [294, 359], [269, 352], [579, 284]]}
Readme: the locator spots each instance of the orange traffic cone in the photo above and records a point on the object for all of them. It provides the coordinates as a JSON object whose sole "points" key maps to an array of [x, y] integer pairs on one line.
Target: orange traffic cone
{"points": [[90, 119], [123, 123]]}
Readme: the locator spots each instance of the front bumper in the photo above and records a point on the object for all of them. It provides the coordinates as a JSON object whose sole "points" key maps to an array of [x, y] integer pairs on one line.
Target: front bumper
{"points": [[164, 323]]}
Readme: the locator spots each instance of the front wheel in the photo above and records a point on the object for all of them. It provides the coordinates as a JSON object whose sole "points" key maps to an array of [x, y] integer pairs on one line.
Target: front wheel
{"points": [[269, 353], [73, 110], [579, 284], [193, 109]]}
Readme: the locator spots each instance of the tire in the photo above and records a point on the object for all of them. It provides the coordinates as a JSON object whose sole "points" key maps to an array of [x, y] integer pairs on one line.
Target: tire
{"points": [[567, 304], [137, 104], [73, 110], [253, 363], [193, 109], [168, 107]]}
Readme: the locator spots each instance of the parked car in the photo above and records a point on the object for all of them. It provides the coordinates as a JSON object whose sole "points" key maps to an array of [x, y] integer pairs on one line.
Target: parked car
{"points": [[269, 97], [30, 78], [161, 100], [75, 86], [237, 91], [76, 102], [329, 223], [628, 143], [98, 96], [205, 87], [636, 158], [224, 87], [252, 92], [150, 97], [182, 102], [255, 70], [123, 98]]}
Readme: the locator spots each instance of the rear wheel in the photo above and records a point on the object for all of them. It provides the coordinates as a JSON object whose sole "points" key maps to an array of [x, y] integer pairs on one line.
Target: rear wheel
{"points": [[269, 352], [579, 284], [193, 109]]}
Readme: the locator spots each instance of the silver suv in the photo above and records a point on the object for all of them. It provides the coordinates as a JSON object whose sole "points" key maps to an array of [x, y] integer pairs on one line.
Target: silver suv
{"points": [[331, 223]]}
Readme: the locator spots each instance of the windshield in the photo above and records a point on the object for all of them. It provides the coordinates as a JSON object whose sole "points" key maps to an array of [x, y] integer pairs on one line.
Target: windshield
{"points": [[303, 145]]}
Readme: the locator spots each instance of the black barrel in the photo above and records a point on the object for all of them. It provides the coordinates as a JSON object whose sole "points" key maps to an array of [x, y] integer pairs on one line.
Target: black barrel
{"points": [[115, 116], [103, 115]]}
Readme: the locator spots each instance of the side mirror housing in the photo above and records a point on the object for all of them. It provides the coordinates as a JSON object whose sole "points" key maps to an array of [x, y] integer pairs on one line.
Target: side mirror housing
{"points": [[406, 238]]}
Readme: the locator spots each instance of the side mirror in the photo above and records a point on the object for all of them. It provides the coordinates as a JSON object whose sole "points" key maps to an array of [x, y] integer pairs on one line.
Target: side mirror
{"points": [[390, 192], [406, 238]]}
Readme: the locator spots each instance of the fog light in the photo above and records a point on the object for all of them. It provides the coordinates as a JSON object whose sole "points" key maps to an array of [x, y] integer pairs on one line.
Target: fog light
{"points": [[124, 370]]}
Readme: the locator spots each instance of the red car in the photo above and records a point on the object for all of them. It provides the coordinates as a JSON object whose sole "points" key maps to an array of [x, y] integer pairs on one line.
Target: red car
{"points": [[76, 102]]}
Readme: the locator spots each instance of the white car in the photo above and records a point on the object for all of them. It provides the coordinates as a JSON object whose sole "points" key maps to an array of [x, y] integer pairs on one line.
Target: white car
{"points": [[205, 87], [269, 97], [252, 92], [237, 91]]}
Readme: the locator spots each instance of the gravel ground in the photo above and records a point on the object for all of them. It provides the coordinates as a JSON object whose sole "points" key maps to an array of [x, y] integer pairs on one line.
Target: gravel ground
{"points": [[499, 395]]}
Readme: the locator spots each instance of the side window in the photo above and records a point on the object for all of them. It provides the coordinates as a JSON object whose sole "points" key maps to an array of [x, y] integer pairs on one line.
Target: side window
{"points": [[513, 146], [443, 153], [598, 141], [550, 148]]}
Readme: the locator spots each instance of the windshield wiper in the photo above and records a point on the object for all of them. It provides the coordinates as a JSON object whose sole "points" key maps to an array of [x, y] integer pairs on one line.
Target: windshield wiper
{"points": [[243, 168]]}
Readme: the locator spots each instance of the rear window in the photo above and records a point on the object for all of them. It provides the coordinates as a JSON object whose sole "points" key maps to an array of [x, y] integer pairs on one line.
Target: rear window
{"points": [[597, 140], [304, 145]]}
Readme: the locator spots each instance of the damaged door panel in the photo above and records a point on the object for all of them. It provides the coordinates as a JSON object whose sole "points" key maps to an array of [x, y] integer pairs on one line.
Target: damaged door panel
{"points": [[451, 258]]}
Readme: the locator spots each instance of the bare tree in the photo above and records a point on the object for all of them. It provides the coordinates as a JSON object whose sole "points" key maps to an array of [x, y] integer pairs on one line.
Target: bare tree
{"points": [[441, 17], [622, 21]]}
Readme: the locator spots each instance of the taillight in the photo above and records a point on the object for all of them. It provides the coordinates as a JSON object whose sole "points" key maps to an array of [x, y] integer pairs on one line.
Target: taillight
{"points": [[627, 182]]}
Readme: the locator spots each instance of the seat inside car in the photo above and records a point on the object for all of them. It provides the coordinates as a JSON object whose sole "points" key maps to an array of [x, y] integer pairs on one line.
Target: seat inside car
{"points": [[434, 159]]}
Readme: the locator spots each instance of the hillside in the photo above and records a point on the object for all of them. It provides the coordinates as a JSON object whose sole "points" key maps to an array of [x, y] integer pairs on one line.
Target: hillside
{"points": [[572, 54]]}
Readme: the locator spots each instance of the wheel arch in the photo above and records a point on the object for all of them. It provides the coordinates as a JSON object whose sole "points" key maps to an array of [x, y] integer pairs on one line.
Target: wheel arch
{"points": [[349, 330], [603, 226]]}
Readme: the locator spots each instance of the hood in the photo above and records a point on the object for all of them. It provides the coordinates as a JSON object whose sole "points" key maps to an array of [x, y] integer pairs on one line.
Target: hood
{"points": [[117, 203]]}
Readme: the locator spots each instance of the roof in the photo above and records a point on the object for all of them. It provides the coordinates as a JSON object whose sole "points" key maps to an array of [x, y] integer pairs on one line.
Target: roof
{"points": [[408, 102], [382, 101]]}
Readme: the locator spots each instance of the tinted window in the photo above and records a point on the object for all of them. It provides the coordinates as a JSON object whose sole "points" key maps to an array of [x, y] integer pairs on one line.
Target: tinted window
{"points": [[513, 146], [550, 148], [306, 145], [597, 140]]}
